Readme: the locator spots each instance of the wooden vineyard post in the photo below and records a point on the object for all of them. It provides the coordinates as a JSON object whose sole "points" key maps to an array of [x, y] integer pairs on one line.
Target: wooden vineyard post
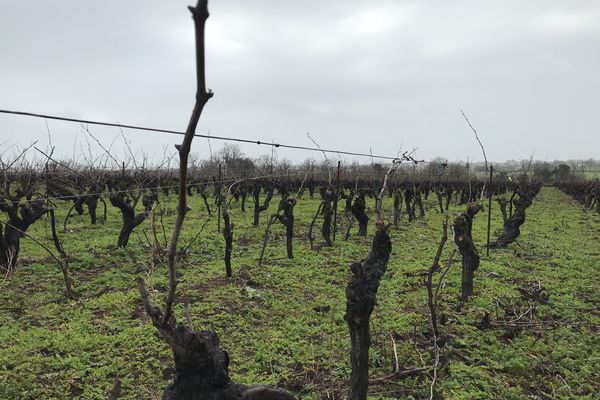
{"points": [[219, 200], [335, 200], [487, 250]]}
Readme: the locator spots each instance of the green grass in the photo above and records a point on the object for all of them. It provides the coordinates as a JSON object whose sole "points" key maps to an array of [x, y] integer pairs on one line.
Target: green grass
{"points": [[53, 348]]}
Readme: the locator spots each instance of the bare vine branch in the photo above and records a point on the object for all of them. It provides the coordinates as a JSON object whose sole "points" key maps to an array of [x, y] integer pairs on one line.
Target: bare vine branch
{"points": [[200, 14], [327, 163], [431, 302], [478, 140]]}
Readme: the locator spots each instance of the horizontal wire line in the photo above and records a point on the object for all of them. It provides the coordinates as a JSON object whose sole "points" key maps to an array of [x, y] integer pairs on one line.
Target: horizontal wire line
{"points": [[231, 139]]}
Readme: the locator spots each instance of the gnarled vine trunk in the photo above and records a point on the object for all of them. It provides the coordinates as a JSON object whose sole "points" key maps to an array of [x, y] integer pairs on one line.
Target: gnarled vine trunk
{"points": [[463, 239], [130, 219], [408, 201], [361, 294], [397, 206], [20, 217], [359, 211], [201, 366], [287, 219], [327, 197], [258, 208], [92, 204], [503, 203], [512, 226]]}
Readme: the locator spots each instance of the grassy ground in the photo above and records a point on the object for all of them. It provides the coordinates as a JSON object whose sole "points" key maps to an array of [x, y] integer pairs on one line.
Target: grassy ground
{"points": [[56, 348]]}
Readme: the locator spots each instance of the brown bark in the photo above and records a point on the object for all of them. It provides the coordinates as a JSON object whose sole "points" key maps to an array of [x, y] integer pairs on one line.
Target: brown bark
{"points": [[64, 265], [348, 213], [419, 203], [312, 224], [202, 192], [449, 192], [201, 366], [361, 294], [243, 195], [408, 201], [20, 217], [397, 206], [327, 211], [258, 208], [285, 215], [287, 219], [462, 227], [228, 236], [130, 219], [359, 212], [92, 204], [513, 224], [440, 199], [503, 203]]}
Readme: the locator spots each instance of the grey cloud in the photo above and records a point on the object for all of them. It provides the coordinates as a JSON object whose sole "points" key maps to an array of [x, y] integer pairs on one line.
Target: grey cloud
{"points": [[356, 74]]}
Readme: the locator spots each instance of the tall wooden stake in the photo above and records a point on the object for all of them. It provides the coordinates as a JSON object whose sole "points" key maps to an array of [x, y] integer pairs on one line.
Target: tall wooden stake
{"points": [[335, 200], [487, 250], [219, 201]]}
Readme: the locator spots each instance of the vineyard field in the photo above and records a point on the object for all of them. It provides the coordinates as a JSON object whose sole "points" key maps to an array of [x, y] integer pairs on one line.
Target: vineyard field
{"points": [[282, 322]]}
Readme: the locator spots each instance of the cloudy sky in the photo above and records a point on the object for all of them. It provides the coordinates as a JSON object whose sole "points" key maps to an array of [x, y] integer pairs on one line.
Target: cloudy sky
{"points": [[357, 75]]}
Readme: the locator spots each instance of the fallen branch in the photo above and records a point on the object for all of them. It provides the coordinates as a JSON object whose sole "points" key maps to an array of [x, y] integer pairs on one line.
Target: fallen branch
{"points": [[403, 374]]}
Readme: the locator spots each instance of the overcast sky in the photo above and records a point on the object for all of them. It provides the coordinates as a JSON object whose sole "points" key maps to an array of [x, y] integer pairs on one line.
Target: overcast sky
{"points": [[385, 75]]}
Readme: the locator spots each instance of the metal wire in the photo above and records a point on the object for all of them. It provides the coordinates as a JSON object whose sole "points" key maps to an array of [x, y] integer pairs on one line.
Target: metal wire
{"points": [[231, 139]]}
